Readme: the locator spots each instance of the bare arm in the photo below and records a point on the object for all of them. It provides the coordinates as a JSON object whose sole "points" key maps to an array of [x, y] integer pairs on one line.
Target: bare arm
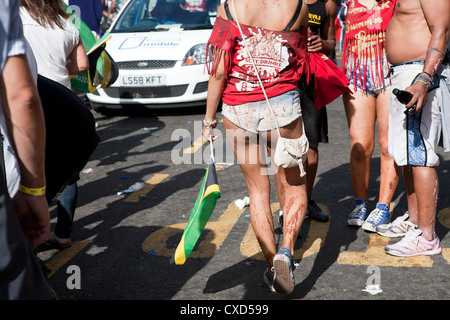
{"points": [[25, 123], [326, 42], [437, 15], [215, 89], [78, 60]]}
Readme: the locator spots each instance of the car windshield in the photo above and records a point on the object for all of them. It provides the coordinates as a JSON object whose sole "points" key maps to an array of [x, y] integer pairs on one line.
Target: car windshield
{"points": [[150, 15]]}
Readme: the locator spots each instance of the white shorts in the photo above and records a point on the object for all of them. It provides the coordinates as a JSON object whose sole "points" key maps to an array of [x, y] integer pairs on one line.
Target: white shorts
{"points": [[413, 139]]}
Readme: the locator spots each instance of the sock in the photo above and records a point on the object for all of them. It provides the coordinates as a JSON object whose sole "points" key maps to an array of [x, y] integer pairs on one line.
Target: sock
{"points": [[359, 201]]}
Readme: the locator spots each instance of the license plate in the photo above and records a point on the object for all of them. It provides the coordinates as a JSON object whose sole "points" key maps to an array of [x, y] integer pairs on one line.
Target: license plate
{"points": [[153, 80]]}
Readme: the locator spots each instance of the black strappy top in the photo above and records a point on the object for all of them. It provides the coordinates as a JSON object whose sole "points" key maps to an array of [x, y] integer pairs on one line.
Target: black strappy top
{"points": [[288, 27]]}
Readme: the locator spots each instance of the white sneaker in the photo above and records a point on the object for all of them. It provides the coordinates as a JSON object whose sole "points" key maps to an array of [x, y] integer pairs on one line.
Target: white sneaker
{"points": [[397, 228], [283, 264], [414, 244]]}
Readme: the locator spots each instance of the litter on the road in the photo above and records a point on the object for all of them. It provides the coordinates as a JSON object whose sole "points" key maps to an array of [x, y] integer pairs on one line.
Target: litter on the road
{"points": [[132, 188], [242, 203], [372, 289], [150, 128]]}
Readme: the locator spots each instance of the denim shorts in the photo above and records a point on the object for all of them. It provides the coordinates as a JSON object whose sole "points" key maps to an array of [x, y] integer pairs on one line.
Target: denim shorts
{"points": [[257, 117], [373, 86]]}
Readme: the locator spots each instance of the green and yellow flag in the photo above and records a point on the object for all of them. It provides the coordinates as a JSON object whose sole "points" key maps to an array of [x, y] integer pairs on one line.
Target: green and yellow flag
{"points": [[103, 70], [200, 214]]}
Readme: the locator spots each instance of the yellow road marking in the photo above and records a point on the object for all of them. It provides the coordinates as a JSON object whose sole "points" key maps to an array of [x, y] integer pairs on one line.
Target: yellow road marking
{"points": [[316, 238], [446, 254], [376, 255], [198, 143], [195, 145], [249, 244], [63, 256], [249, 247], [218, 231], [148, 186], [444, 217]]}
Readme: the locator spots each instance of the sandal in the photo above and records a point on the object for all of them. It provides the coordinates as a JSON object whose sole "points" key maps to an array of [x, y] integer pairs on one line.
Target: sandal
{"points": [[54, 243]]}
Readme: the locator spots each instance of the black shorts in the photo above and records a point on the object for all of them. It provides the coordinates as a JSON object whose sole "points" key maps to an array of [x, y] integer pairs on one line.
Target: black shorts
{"points": [[315, 120]]}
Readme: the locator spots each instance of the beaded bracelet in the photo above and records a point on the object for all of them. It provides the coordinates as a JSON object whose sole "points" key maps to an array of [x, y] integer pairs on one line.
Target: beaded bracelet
{"points": [[210, 124], [32, 191], [426, 78]]}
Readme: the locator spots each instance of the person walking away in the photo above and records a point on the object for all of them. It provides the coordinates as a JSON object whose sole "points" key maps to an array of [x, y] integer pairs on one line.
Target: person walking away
{"points": [[276, 36], [417, 42], [59, 53], [364, 61], [321, 40]]}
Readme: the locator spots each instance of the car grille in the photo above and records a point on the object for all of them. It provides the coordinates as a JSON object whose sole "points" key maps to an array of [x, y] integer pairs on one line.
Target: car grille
{"points": [[147, 64], [146, 92], [201, 87]]}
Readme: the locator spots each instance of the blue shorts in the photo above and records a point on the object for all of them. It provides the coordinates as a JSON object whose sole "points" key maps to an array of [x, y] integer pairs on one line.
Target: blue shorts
{"points": [[257, 117]]}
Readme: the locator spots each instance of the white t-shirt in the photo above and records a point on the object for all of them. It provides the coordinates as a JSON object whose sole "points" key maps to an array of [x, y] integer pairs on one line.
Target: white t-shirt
{"points": [[51, 47]]}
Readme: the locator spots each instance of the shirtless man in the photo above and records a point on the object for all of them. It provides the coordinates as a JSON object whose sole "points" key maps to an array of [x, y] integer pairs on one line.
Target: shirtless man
{"points": [[416, 46]]}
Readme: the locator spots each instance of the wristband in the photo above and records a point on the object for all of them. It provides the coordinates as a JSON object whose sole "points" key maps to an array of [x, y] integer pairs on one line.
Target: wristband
{"points": [[434, 49], [425, 78], [32, 191]]}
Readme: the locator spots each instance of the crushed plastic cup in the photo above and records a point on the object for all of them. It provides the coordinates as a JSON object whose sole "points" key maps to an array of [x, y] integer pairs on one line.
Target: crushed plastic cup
{"points": [[136, 186], [242, 203]]}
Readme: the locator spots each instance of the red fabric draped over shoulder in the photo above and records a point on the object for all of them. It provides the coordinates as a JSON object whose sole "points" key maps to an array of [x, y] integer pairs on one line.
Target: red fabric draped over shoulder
{"points": [[278, 56]]}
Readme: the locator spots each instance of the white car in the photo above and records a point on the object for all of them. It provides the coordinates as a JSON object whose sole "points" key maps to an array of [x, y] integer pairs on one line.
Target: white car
{"points": [[160, 49]]}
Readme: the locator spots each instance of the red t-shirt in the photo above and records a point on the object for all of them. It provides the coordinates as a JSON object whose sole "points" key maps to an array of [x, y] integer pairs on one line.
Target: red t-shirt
{"points": [[277, 55]]}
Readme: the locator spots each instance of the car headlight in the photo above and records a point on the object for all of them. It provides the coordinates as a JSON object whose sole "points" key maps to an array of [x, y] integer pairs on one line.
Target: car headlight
{"points": [[195, 55]]}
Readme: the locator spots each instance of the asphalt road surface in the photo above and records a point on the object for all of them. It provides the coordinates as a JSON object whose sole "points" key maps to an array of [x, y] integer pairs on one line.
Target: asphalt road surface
{"points": [[122, 243]]}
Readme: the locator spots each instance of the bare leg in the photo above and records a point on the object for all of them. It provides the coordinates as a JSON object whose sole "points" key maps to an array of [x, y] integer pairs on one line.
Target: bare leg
{"points": [[248, 153], [389, 171], [258, 185], [294, 187], [426, 185], [295, 204], [413, 211], [360, 112], [311, 166]]}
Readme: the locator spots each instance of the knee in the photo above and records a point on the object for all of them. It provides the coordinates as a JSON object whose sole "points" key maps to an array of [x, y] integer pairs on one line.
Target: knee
{"points": [[362, 151], [384, 149]]}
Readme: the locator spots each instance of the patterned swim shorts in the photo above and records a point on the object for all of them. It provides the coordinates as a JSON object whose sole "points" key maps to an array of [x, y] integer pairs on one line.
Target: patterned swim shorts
{"points": [[413, 139]]}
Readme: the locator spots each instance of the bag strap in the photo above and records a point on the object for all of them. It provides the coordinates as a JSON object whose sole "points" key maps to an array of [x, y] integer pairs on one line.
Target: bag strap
{"points": [[295, 17], [287, 28]]}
